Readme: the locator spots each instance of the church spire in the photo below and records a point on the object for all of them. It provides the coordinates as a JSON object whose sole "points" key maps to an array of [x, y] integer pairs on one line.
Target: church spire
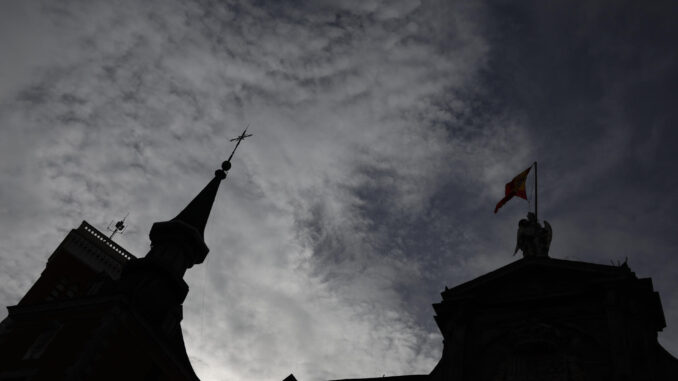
{"points": [[187, 229], [196, 213], [155, 282]]}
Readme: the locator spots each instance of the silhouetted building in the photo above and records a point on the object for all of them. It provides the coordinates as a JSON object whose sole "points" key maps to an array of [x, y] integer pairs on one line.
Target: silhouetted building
{"points": [[99, 313], [541, 318]]}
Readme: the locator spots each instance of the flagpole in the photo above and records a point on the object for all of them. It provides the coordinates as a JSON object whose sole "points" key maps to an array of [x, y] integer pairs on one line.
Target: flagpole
{"points": [[536, 208]]}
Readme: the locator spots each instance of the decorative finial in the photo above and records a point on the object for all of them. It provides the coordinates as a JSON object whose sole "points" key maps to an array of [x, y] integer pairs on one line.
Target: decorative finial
{"points": [[119, 227], [226, 165]]}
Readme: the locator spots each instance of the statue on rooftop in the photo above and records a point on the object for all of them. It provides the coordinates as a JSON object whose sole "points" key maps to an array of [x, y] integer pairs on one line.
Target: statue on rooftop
{"points": [[533, 239]]}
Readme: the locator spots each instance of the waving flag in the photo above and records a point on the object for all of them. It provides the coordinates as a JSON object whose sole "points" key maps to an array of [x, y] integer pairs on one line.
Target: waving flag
{"points": [[514, 188]]}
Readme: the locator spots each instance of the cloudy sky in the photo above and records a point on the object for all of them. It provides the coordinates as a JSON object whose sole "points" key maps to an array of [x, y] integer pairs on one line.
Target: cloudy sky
{"points": [[384, 132]]}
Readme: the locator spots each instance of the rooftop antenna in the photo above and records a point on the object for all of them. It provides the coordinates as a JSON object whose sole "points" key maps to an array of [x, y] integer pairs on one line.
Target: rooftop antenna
{"points": [[118, 227]]}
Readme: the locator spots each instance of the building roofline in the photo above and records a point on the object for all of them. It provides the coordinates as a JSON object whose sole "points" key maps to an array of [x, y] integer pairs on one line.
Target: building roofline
{"points": [[538, 261], [116, 251]]}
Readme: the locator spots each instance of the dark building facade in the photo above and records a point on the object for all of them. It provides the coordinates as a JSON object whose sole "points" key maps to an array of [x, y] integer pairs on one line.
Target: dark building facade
{"points": [[99, 313], [542, 318]]}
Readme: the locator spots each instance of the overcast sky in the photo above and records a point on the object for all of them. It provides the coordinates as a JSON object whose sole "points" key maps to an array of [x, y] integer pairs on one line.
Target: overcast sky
{"points": [[384, 132]]}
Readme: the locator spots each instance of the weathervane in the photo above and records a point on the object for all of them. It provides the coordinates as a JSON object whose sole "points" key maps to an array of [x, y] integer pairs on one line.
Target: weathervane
{"points": [[119, 227], [226, 165]]}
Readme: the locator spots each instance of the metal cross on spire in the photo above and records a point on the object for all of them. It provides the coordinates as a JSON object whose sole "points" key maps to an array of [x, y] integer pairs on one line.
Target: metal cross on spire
{"points": [[226, 165]]}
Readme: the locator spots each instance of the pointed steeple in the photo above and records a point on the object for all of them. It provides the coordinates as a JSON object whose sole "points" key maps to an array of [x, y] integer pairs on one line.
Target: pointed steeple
{"points": [[155, 283], [196, 213], [179, 243]]}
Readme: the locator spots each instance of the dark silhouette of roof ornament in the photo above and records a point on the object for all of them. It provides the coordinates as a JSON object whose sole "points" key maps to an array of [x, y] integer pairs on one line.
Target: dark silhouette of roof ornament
{"points": [[119, 227], [533, 239], [226, 165]]}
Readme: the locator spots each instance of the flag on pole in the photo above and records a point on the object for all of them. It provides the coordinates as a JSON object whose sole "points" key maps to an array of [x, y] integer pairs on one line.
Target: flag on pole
{"points": [[514, 188]]}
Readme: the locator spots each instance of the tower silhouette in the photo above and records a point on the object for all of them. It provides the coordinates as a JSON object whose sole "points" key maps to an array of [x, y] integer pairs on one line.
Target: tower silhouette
{"points": [[99, 313]]}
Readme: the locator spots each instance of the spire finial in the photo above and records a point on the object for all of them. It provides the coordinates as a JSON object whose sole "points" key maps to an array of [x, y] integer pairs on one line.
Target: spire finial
{"points": [[197, 212], [226, 165]]}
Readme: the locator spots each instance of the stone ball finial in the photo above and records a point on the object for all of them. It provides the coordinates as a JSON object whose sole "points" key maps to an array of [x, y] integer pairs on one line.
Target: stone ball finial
{"points": [[220, 174], [226, 165]]}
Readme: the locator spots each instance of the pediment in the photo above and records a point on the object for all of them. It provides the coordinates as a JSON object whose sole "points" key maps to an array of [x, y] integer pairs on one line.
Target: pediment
{"points": [[535, 277]]}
